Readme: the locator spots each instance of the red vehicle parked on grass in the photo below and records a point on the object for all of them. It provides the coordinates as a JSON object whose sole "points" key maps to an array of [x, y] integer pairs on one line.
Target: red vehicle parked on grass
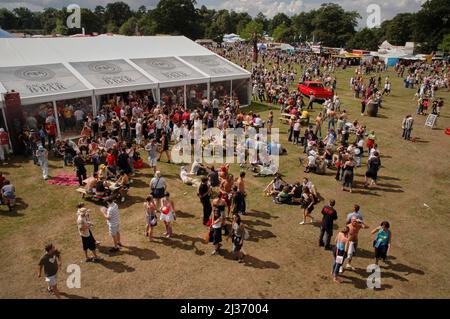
{"points": [[317, 88]]}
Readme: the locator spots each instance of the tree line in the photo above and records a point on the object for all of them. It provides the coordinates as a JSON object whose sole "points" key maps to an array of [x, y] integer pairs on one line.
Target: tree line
{"points": [[330, 24]]}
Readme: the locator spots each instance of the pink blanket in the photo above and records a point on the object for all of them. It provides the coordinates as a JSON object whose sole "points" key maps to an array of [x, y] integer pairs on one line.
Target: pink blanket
{"points": [[64, 179]]}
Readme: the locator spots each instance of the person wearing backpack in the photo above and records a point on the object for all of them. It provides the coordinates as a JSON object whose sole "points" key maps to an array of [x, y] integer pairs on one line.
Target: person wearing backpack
{"points": [[238, 234], [373, 165], [329, 216]]}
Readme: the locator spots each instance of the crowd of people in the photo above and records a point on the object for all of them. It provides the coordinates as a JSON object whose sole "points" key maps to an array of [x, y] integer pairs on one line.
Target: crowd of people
{"points": [[128, 125]]}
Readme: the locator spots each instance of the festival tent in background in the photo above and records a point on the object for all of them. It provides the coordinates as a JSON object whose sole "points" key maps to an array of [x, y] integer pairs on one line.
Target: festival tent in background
{"points": [[54, 70]]}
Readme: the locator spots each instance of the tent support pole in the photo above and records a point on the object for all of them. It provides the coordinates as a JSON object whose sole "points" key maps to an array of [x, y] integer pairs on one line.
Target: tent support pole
{"points": [[185, 100], [158, 95], [94, 105], [55, 110], [231, 90], [6, 127]]}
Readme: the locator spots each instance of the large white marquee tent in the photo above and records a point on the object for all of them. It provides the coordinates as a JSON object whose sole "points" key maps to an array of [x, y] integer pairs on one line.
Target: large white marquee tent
{"points": [[55, 69]]}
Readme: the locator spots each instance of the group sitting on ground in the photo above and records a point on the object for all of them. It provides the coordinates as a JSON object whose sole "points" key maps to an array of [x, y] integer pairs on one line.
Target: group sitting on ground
{"points": [[290, 194]]}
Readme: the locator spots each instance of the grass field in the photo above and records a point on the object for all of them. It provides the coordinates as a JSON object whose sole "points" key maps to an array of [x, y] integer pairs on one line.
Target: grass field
{"points": [[284, 260]]}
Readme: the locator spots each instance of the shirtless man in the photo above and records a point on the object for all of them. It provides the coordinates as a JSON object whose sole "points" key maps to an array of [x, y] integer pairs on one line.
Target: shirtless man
{"points": [[241, 206], [354, 227], [124, 182], [90, 183], [226, 188]]}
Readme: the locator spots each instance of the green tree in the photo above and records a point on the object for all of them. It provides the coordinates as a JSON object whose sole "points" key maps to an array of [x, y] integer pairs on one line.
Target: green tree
{"points": [[366, 39], [261, 18], [118, 13], [61, 27], [147, 24], [432, 24], [142, 10], [303, 25], [90, 21], [48, 19], [279, 19], [399, 30], [129, 27], [26, 19], [177, 17], [333, 26], [238, 21], [8, 20], [222, 22], [250, 28], [284, 33], [445, 44], [111, 27]]}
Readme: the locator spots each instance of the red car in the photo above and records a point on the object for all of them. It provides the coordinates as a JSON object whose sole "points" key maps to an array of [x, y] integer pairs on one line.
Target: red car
{"points": [[317, 88]]}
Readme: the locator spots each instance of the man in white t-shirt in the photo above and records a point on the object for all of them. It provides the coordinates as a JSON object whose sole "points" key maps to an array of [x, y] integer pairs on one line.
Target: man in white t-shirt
{"points": [[215, 103], [258, 122], [197, 168], [79, 115], [311, 162], [186, 178], [112, 216]]}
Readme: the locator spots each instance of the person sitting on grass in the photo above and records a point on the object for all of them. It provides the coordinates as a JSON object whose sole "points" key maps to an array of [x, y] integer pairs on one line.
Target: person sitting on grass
{"points": [[275, 186], [101, 188], [186, 177], [268, 167], [296, 193], [91, 183], [198, 169], [311, 166], [283, 197], [8, 194]]}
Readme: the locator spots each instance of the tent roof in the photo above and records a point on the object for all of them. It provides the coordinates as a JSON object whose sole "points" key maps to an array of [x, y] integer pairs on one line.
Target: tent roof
{"points": [[26, 51], [41, 83], [107, 64]]}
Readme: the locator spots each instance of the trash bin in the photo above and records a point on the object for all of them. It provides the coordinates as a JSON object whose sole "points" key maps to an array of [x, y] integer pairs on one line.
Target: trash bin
{"points": [[372, 109]]}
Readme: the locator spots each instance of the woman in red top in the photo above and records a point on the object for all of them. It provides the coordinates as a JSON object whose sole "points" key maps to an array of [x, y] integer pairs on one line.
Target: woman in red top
{"points": [[111, 159]]}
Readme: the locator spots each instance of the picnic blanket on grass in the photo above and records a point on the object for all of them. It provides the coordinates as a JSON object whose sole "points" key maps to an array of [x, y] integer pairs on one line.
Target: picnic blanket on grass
{"points": [[64, 180]]}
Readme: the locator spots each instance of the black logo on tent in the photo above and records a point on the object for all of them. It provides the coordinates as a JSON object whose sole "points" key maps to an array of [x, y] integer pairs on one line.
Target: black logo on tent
{"points": [[208, 61], [175, 75], [162, 64], [104, 67], [35, 74]]}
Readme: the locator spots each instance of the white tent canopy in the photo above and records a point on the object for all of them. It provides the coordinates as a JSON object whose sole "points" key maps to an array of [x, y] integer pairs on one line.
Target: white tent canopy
{"points": [[170, 71], [216, 67], [40, 83], [48, 69], [107, 76]]}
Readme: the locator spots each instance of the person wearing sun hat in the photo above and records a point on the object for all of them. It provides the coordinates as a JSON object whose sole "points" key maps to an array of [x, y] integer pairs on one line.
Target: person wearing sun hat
{"points": [[84, 229]]}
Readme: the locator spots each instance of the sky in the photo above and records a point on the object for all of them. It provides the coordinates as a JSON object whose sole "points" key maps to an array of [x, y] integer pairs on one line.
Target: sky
{"points": [[389, 8]]}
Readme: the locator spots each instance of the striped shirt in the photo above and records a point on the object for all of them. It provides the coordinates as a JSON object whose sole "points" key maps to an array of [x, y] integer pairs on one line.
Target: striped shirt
{"points": [[113, 214]]}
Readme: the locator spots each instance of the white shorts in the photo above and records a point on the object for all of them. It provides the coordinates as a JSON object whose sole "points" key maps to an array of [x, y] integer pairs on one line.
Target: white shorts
{"points": [[4, 150], [113, 230], [152, 162], [51, 281]]}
